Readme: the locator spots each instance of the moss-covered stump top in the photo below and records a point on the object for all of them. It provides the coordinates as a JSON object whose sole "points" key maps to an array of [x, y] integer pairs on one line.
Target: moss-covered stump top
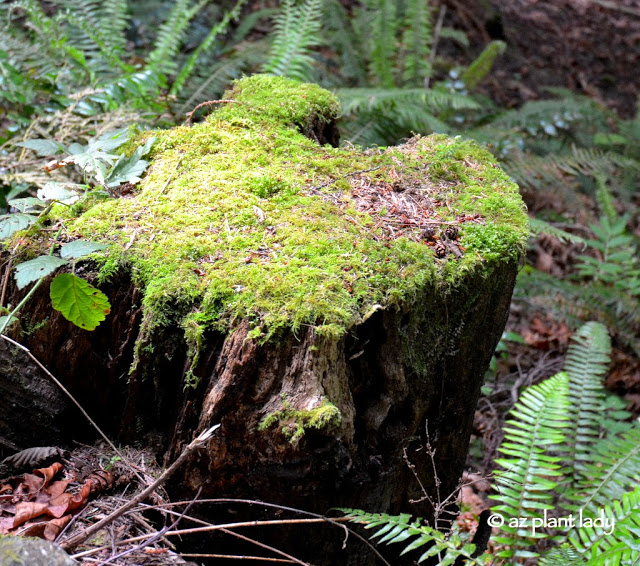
{"points": [[244, 216]]}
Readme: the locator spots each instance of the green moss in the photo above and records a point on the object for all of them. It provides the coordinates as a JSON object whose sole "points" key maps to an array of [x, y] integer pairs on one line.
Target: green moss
{"points": [[243, 217], [293, 423]]}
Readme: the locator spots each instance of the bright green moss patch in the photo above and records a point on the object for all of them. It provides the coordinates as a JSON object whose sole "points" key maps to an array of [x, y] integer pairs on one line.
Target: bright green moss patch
{"points": [[293, 423], [243, 217]]}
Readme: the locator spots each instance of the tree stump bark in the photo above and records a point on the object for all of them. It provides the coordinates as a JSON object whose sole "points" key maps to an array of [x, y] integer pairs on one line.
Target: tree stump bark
{"points": [[333, 309]]}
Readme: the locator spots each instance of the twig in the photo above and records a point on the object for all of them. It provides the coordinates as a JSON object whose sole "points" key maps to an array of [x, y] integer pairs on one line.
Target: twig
{"points": [[288, 557], [335, 522], [5, 278], [81, 537], [168, 181], [316, 519], [156, 536], [238, 557], [67, 393], [207, 103], [412, 467]]}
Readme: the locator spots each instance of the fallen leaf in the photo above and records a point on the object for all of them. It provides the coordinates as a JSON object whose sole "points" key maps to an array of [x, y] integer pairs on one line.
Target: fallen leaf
{"points": [[26, 511]]}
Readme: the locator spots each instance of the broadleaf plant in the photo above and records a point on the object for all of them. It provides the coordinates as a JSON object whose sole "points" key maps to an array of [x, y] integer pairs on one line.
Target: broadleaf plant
{"points": [[78, 301], [97, 162]]}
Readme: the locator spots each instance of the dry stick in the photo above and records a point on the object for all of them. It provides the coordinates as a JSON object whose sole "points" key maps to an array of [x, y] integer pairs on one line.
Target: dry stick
{"points": [[335, 522], [170, 177], [206, 529], [289, 558], [224, 528], [81, 537], [241, 557], [5, 279], [156, 536], [207, 103]]}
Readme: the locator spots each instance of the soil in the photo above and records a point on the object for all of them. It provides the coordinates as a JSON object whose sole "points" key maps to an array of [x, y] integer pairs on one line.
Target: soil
{"points": [[590, 47]]}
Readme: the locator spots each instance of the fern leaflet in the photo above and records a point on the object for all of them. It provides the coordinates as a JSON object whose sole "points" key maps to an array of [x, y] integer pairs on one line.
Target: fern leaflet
{"points": [[400, 528], [297, 29]]}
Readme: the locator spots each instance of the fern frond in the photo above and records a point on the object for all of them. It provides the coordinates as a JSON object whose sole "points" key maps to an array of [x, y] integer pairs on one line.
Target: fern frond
{"points": [[206, 45], [364, 131], [586, 365], [539, 226], [525, 485], [603, 548], [38, 54], [416, 119], [219, 75], [342, 32], [369, 99], [416, 43], [455, 35], [566, 110], [115, 18], [481, 66], [562, 556], [605, 198], [37, 20], [162, 58], [590, 161], [297, 30], [91, 30], [614, 468], [383, 36], [400, 528]]}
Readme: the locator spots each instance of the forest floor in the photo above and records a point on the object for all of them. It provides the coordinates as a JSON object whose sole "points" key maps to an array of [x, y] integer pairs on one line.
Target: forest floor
{"points": [[551, 43]]}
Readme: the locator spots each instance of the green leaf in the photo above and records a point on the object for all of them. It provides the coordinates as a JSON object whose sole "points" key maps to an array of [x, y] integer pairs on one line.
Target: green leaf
{"points": [[34, 269], [78, 301], [609, 138], [62, 192], [80, 248], [12, 223], [29, 205], [44, 148], [126, 170]]}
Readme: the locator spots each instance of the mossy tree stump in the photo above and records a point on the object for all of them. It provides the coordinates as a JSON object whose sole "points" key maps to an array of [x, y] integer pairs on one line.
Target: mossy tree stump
{"points": [[322, 304]]}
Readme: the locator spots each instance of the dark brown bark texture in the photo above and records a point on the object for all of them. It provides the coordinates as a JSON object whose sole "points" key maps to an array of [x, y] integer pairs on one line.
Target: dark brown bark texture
{"points": [[401, 368]]}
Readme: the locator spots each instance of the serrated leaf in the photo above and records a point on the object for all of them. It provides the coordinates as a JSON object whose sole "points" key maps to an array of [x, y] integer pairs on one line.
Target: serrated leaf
{"points": [[11, 223], [34, 269], [79, 301], [80, 248], [43, 148]]}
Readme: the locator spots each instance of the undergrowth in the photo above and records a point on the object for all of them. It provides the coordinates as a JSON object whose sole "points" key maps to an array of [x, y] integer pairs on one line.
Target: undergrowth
{"points": [[568, 477]]}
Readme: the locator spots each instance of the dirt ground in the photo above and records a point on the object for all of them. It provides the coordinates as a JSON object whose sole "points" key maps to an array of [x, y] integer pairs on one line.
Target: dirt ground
{"points": [[590, 47]]}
